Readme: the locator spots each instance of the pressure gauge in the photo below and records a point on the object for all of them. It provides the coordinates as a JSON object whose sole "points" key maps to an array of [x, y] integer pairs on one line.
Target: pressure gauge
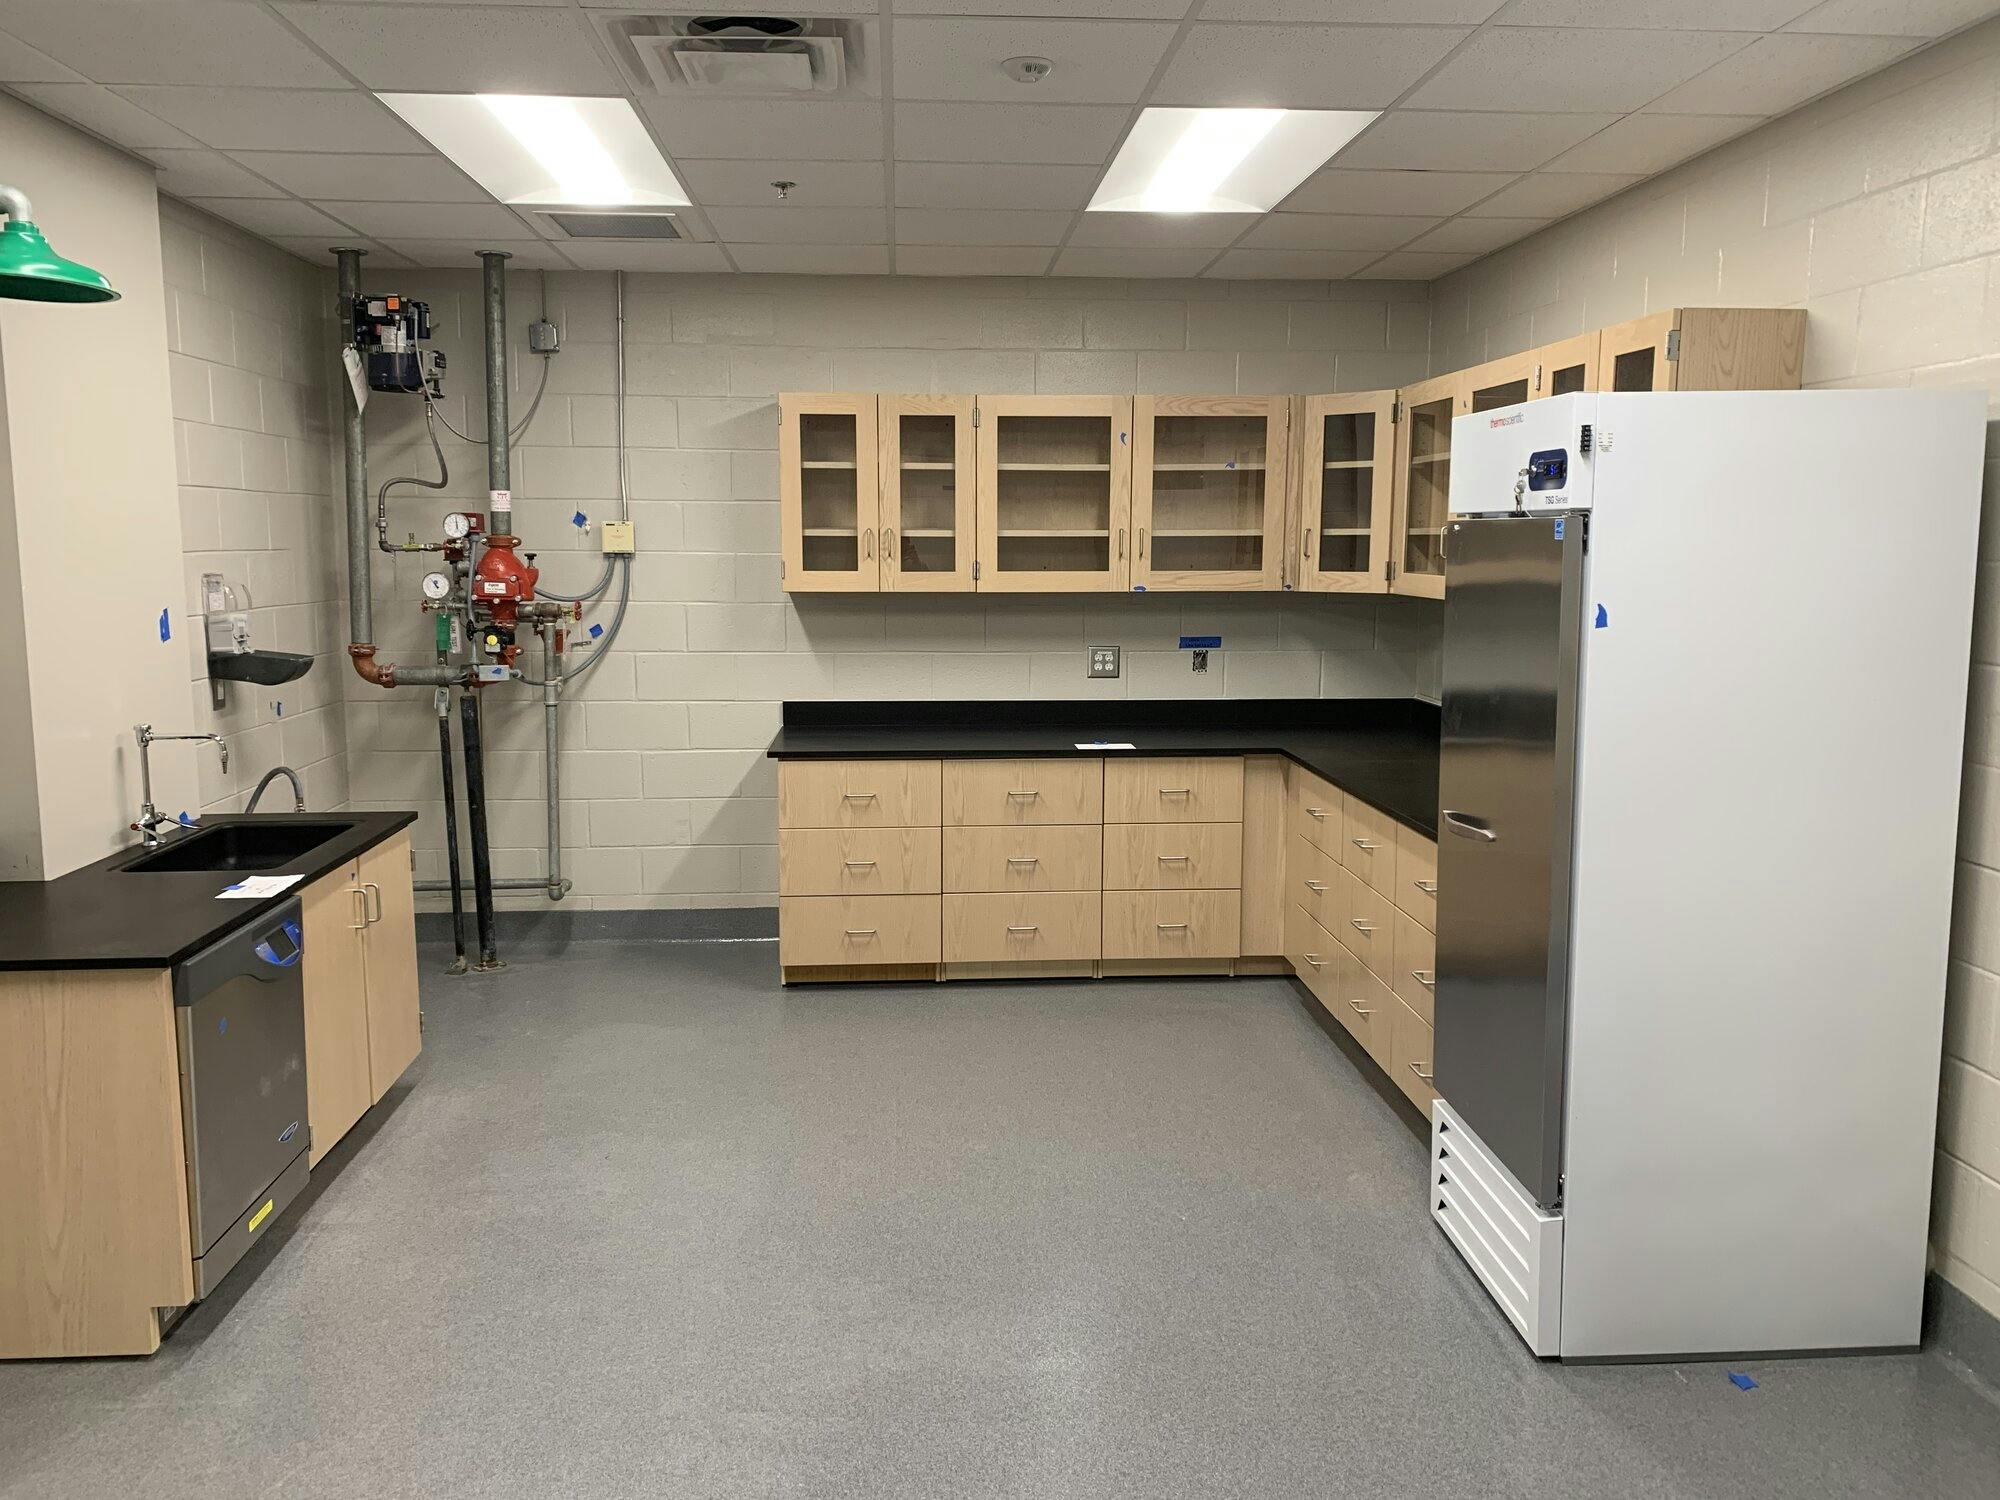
{"points": [[456, 525], [437, 585]]}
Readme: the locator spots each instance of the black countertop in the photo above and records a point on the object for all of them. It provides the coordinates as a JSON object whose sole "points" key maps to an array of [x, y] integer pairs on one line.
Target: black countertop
{"points": [[1382, 750], [104, 917]]}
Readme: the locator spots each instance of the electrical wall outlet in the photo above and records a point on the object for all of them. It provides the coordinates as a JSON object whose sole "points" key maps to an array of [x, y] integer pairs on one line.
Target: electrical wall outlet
{"points": [[617, 539], [1103, 661]]}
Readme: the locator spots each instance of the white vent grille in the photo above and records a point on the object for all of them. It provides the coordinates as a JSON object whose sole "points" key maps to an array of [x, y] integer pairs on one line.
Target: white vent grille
{"points": [[1511, 1245], [580, 224]]}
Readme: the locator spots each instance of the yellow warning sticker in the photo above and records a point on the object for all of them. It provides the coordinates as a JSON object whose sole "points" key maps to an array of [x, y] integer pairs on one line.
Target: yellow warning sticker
{"points": [[262, 1214]]}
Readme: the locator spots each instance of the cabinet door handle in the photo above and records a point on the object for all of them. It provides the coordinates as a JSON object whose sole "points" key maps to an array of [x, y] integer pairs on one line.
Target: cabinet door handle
{"points": [[355, 890], [889, 545], [1121, 544], [372, 906], [1306, 543], [1317, 963], [1417, 1069], [1425, 977], [1176, 791], [1024, 794], [859, 864], [1171, 926], [1174, 859], [1361, 1009], [868, 544], [1360, 926], [1428, 887], [857, 796], [861, 932], [1023, 859], [1142, 541], [1364, 845], [1318, 888], [1028, 928]]}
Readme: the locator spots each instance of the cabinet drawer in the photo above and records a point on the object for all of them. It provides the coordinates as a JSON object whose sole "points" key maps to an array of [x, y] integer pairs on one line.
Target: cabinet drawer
{"points": [[1313, 954], [1173, 856], [1410, 1056], [857, 861], [1417, 876], [1174, 789], [1313, 880], [1023, 859], [1368, 845], [1367, 928], [1173, 924], [1416, 965], [1313, 811], [1337, 979], [858, 794], [1036, 926], [1023, 791], [857, 930]]}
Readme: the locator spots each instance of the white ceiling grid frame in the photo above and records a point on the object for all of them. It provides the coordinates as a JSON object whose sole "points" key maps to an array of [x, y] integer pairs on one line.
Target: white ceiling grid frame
{"points": [[252, 108]]}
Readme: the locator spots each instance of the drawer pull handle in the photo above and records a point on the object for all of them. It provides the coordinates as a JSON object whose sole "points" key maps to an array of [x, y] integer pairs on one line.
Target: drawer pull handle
{"points": [[1361, 1009], [1364, 928], [1173, 859], [1317, 887], [1317, 963], [857, 796], [1418, 1070], [1023, 859], [859, 864], [1030, 792], [1425, 977], [1171, 926], [1365, 846], [1176, 791], [861, 932], [1316, 812], [1012, 928], [1428, 887]]}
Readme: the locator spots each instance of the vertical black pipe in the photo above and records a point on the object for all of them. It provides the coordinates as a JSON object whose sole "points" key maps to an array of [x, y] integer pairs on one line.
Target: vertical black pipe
{"points": [[475, 818], [451, 831]]}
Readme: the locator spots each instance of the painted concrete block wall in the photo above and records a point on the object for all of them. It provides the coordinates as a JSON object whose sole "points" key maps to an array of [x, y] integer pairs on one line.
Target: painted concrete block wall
{"points": [[251, 340], [1878, 211], [668, 799]]}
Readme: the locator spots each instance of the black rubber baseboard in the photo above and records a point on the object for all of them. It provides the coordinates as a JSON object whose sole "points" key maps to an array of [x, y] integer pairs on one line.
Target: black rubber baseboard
{"points": [[1956, 1325], [570, 924]]}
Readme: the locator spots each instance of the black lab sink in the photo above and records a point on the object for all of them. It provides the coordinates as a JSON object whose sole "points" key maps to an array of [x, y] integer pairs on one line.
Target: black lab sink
{"points": [[238, 846]]}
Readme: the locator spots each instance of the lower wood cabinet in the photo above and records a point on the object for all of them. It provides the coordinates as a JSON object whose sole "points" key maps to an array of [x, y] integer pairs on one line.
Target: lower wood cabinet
{"points": [[842, 931], [857, 861], [364, 1026], [1173, 856], [1038, 858], [1033, 927], [1173, 924]]}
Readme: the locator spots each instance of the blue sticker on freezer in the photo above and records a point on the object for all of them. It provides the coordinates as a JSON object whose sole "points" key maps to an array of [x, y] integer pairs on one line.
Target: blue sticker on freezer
{"points": [[1559, 530], [166, 627], [1602, 618]]}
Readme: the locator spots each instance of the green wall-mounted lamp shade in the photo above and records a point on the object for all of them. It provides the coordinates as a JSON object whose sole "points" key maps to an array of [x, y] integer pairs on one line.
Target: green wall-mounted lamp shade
{"points": [[32, 272]]}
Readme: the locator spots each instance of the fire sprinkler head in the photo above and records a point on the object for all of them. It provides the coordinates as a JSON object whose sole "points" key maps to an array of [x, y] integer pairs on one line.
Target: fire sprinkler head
{"points": [[1027, 69], [784, 189]]}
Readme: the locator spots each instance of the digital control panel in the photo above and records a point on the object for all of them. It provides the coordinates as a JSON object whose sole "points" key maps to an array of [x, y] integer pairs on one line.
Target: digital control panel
{"points": [[1548, 470]]}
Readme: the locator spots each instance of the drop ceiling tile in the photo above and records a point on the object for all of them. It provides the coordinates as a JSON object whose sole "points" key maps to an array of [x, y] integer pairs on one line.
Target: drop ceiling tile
{"points": [[1192, 231], [280, 119], [1550, 195], [1376, 232], [815, 184], [1447, 141], [1136, 10], [440, 48], [981, 226], [748, 130], [1334, 190], [1407, 12], [1477, 236], [188, 41], [319, 250], [1661, 15], [96, 108], [1152, 260], [374, 177], [450, 254], [20, 63], [1919, 18], [935, 184], [1096, 62], [1651, 143], [1572, 70], [1302, 67], [1081, 134], [271, 215], [796, 224], [1290, 265], [1413, 265], [973, 260], [813, 260], [1777, 73], [605, 255], [201, 173], [430, 221]]}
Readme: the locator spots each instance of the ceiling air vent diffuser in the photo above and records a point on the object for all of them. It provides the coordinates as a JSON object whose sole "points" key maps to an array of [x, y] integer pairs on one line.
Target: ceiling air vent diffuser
{"points": [[749, 54], [580, 224]]}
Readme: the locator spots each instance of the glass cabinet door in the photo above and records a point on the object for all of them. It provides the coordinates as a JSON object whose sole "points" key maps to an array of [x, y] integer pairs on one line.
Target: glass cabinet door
{"points": [[927, 489], [1423, 458], [1500, 382], [1567, 367], [1055, 493], [1349, 474], [1633, 356], [826, 493], [1208, 491]]}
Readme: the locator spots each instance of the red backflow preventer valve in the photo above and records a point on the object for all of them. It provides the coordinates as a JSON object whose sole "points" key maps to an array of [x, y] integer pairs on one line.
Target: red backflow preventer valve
{"points": [[502, 582]]}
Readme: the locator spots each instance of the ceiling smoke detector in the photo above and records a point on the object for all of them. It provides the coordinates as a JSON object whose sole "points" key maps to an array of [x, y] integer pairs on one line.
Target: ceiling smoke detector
{"points": [[1027, 69], [750, 54]]}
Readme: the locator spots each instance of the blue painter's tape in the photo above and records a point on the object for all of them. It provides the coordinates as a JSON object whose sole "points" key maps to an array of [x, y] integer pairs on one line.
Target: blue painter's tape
{"points": [[166, 626], [1201, 643], [596, 631], [1742, 1382], [579, 520], [1138, 588], [1230, 465], [1602, 619]]}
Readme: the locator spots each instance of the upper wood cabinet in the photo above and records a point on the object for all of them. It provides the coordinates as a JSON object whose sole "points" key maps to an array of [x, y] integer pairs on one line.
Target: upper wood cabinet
{"points": [[1705, 349], [1209, 486], [1498, 382], [1565, 368], [1055, 493], [1423, 484], [1347, 483], [927, 486], [828, 499]]}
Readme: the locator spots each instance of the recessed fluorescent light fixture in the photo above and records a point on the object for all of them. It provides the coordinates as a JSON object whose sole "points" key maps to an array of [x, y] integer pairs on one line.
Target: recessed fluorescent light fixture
{"points": [[545, 149], [1221, 161]]}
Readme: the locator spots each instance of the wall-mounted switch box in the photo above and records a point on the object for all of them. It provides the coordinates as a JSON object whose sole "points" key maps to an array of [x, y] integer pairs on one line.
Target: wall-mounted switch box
{"points": [[617, 537], [1103, 661], [543, 338]]}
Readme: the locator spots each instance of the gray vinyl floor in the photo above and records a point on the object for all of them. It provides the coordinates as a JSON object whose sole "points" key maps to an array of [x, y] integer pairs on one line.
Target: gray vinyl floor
{"points": [[642, 1223]]}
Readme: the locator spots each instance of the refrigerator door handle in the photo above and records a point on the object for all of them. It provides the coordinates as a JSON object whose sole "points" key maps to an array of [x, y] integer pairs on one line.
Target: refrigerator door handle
{"points": [[1468, 827]]}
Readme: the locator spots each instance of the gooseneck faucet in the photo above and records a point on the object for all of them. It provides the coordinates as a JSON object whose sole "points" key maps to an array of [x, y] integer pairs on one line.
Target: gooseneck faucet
{"points": [[151, 819]]}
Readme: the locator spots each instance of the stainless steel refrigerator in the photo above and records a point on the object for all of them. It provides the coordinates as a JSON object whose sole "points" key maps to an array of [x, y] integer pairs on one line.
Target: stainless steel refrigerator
{"points": [[1704, 675]]}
